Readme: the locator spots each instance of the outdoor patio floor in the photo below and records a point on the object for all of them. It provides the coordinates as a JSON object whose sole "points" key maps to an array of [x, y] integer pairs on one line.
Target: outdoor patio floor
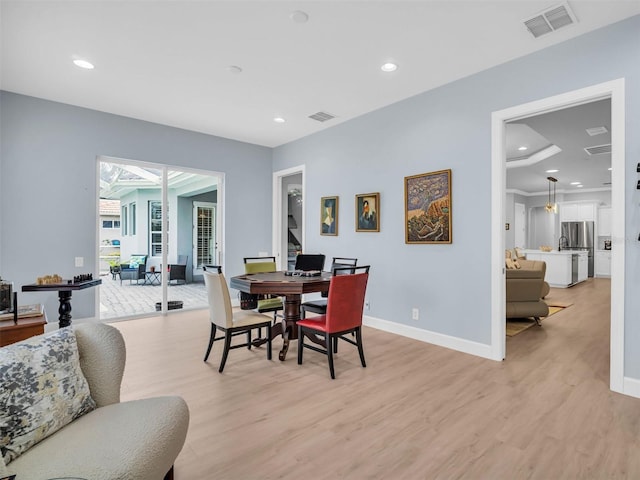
{"points": [[131, 299]]}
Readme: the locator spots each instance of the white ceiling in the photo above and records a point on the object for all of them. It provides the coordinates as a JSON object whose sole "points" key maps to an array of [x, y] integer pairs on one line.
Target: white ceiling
{"points": [[168, 61], [565, 129]]}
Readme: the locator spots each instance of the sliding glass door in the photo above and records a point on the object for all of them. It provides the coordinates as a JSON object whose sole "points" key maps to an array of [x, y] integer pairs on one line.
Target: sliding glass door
{"points": [[168, 229]]}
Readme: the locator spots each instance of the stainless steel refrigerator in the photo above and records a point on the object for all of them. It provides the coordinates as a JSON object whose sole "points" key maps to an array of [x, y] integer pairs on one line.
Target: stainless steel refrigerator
{"points": [[577, 236]]}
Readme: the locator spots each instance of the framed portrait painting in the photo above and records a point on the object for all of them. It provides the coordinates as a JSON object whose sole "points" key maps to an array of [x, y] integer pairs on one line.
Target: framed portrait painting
{"points": [[368, 212], [329, 216], [427, 207]]}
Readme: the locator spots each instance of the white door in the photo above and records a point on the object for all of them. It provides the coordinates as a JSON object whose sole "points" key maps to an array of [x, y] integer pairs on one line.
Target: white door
{"points": [[205, 245]]}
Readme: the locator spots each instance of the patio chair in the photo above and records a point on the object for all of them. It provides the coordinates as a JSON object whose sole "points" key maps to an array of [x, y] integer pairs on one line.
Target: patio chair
{"points": [[178, 271], [135, 269]]}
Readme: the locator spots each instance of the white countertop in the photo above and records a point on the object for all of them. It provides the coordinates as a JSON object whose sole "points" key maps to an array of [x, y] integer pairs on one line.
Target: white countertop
{"points": [[556, 252]]}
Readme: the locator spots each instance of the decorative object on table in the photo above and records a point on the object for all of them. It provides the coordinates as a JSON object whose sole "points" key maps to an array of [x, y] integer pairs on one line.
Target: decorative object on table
{"points": [[545, 248], [6, 296], [83, 277], [329, 216], [49, 280], [368, 212], [303, 273], [427, 207]]}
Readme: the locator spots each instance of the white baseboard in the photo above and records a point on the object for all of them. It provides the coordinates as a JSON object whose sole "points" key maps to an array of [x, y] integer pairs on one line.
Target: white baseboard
{"points": [[454, 343], [631, 387]]}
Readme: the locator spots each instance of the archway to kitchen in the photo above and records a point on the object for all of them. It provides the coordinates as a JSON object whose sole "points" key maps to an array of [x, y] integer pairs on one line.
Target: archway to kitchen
{"points": [[158, 226], [615, 91]]}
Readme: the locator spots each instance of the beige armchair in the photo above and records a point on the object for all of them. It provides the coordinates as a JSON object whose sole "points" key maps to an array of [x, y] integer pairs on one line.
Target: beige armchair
{"points": [[525, 288]]}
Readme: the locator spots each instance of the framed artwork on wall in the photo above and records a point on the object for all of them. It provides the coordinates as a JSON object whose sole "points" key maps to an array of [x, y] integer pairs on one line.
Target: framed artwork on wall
{"points": [[368, 212], [329, 216], [427, 207]]}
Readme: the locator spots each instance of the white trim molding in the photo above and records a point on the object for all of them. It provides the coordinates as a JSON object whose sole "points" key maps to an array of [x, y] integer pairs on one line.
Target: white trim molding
{"points": [[427, 336], [615, 90]]}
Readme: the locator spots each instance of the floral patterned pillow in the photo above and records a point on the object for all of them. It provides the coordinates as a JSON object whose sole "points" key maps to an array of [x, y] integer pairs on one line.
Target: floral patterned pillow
{"points": [[43, 389]]}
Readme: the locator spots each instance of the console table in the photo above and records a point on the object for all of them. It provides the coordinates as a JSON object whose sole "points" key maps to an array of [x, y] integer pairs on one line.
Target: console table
{"points": [[26, 327], [64, 295]]}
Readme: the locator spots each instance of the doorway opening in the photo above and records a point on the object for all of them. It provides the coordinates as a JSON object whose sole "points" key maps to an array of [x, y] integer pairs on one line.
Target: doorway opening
{"points": [[288, 216], [163, 225], [613, 90]]}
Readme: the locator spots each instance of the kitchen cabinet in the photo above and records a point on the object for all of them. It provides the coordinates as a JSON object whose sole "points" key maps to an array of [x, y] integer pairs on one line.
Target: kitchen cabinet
{"points": [[583, 267], [604, 222], [577, 212], [602, 266], [560, 266]]}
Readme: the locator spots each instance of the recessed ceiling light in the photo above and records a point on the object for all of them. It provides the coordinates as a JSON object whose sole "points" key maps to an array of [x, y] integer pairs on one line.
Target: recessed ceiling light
{"points": [[552, 171], [234, 69], [523, 148], [83, 64], [279, 120], [299, 16], [575, 183], [609, 168], [389, 67], [579, 186]]}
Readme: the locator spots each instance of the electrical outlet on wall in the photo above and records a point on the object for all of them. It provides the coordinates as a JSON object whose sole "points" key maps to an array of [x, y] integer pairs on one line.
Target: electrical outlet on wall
{"points": [[367, 305], [79, 261], [415, 314]]}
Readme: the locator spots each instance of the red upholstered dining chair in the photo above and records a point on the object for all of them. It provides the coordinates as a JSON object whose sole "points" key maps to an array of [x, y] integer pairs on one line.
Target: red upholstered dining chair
{"points": [[320, 305], [344, 315], [225, 319]]}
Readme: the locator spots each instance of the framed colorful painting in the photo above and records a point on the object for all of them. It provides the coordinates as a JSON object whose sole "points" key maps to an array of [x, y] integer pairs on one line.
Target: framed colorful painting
{"points": [[368, 212], [427, 207], [329, 216]]}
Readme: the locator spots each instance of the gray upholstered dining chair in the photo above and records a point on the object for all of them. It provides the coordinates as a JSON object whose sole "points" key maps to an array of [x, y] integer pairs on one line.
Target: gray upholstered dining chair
{"points": [[232, 323]]}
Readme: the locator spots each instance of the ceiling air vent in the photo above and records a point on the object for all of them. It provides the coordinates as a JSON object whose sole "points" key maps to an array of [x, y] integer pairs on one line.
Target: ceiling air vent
{"points": [[593, 131], [550, 20], [598, 149], [322, 116]]}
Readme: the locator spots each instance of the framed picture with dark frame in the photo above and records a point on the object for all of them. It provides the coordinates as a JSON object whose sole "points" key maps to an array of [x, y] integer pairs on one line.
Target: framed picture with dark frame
{"points": [[368, 212], [427, 207], [329, 216]]}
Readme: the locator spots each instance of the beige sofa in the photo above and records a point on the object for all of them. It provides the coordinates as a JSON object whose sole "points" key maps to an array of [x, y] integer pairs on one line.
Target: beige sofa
{"points": [[134, 440], [525, 289]]}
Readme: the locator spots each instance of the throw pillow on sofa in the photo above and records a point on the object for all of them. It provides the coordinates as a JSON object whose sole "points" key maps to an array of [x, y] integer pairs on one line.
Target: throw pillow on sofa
{"points": [[47, 390]]}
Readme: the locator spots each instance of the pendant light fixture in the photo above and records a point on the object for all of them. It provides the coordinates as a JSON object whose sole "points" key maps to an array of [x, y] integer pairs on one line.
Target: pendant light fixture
{"points": [[552, 206]]}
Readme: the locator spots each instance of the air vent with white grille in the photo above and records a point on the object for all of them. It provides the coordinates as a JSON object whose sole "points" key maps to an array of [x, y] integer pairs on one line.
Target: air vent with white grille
{"points": [[598, 149], [550, 20], [322, 116], [593, 131]]}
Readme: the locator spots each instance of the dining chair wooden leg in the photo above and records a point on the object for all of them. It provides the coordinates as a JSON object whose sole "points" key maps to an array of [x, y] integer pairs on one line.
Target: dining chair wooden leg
{"points": [[328, 339], [225, 352], [300, 345], [269, 342], [335, 344], [360, 348], [211, 339]]}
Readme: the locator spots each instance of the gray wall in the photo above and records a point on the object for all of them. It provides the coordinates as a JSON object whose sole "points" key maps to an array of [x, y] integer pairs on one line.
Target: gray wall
{"points": [[48, 188], [450, 127]]}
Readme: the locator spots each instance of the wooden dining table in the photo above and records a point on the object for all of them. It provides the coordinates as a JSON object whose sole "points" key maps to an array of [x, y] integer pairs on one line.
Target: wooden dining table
{"points": [[291, 287]]}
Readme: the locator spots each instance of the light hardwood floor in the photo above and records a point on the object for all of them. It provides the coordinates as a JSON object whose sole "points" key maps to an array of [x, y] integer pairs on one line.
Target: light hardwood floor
{"points": [[416, 412]]}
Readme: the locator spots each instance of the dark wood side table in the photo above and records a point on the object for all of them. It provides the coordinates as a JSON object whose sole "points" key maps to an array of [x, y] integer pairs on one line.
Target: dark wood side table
{"points": [[26, 327], [64, 295]]}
